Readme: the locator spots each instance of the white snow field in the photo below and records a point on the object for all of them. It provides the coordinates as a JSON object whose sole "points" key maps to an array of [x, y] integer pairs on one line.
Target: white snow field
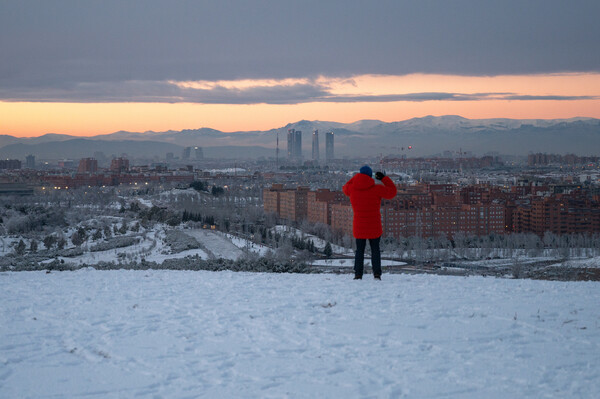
{"points": [[183, 334], [349, 262], [216, 243]]}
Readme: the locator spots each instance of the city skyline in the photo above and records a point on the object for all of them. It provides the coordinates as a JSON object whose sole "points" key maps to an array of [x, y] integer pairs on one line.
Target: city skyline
{"points": [[89, 69]]}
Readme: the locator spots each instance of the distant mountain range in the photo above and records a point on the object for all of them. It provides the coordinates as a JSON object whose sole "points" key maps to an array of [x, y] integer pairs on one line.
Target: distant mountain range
{"points": [[428, 135]]}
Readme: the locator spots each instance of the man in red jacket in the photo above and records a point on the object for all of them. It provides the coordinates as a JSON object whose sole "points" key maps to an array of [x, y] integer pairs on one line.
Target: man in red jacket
{"points": [[365, 197]]}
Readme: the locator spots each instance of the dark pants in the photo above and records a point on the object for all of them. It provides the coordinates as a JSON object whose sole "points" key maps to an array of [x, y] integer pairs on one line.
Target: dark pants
{"points": [[359, 257]]}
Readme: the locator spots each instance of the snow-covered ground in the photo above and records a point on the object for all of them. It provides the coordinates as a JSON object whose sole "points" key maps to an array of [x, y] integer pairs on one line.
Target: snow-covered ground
{"points": [[152, 248], [349, 262], [216, 243], [319, 242], [144, 201], [7, 244], [244, 244], [588, 262], [169, 334]]}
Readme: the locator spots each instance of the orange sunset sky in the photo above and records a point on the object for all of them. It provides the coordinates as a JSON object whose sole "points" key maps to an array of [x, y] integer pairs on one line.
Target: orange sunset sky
{"points": [[553, 96], [89, 68]]}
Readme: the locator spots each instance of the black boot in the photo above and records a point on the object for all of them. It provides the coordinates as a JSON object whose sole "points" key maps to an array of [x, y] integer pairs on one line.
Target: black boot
{"points": [[358, 276], [377, 277]]}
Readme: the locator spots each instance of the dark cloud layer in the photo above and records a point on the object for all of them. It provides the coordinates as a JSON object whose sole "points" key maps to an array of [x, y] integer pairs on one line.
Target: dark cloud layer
{"points": [[58, 47], [167, 92]]}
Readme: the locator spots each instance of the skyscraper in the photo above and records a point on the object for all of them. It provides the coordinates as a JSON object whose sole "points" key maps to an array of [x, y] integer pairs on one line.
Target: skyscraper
{"points": [[315, 146], [30, 162], [298, 145], [290, 144], [199, 153], [277, 150], [329, 146], [294, 145]]}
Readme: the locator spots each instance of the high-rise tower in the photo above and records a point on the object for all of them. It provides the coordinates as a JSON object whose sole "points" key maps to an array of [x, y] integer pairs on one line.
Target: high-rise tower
{"points": [[30, 162], [198, 152], [290, 144], [294, 145], [329, 146], [298, 145], [315, 146], [277, 151]]}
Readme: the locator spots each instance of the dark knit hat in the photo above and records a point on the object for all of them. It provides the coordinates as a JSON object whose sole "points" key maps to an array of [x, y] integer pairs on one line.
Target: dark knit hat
{"points": [[366, 170]]}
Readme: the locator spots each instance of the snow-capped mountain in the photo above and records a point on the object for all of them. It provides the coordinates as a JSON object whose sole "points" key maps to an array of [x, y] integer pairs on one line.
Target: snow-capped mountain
{"points": [[427, 135]]}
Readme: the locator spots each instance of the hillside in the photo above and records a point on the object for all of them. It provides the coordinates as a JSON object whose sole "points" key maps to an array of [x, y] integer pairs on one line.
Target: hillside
{"points": [[164, 333]]}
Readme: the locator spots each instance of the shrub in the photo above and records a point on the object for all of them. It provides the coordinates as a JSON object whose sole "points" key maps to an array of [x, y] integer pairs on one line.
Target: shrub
{"points": [[116, 242]]}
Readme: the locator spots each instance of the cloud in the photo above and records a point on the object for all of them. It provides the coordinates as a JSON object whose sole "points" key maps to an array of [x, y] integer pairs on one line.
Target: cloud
{"points": [[272, 91], [61, 42], [168, 92], [549, 98], [411, 97]]}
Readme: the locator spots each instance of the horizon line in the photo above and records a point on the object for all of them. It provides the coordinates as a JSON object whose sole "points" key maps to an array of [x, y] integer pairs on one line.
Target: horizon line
{"points": [[300, 121]]}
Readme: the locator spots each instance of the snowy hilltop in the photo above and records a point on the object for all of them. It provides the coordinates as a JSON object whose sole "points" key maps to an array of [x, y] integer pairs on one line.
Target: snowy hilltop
{"points": [[174, 334]]}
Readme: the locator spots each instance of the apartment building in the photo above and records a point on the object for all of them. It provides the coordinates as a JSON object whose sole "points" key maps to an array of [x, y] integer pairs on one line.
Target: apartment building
{"points": [[272, 199], [559, 215], [429, 210], [320, 202], [341, 217], [293, 204]]}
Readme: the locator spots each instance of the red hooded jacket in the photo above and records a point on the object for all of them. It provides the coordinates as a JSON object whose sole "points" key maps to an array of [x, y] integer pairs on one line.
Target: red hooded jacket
{"points": [[365, 197]]}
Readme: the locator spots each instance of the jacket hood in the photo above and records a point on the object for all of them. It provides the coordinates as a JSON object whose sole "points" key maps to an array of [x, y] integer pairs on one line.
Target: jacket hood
{"points": [[363, 182]]}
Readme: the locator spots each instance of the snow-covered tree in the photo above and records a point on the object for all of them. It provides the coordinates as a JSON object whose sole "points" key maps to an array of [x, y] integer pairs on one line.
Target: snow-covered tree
{"points": [[49, 241], [20, 247], [328, 250]]}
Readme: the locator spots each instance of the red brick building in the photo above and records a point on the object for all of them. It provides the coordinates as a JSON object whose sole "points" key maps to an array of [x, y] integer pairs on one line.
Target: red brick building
{"points": [[293, 204], [300, 203], [320, 202], [88, 165], [119, 165], [428, 210], [559, 215], [341, 217], [437, 220], [318, 211], [271, 199]]}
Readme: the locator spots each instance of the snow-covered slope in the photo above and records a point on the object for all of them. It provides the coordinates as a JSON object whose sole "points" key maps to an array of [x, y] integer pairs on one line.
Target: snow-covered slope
{"points": [[167, 334], [454, 122]]}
